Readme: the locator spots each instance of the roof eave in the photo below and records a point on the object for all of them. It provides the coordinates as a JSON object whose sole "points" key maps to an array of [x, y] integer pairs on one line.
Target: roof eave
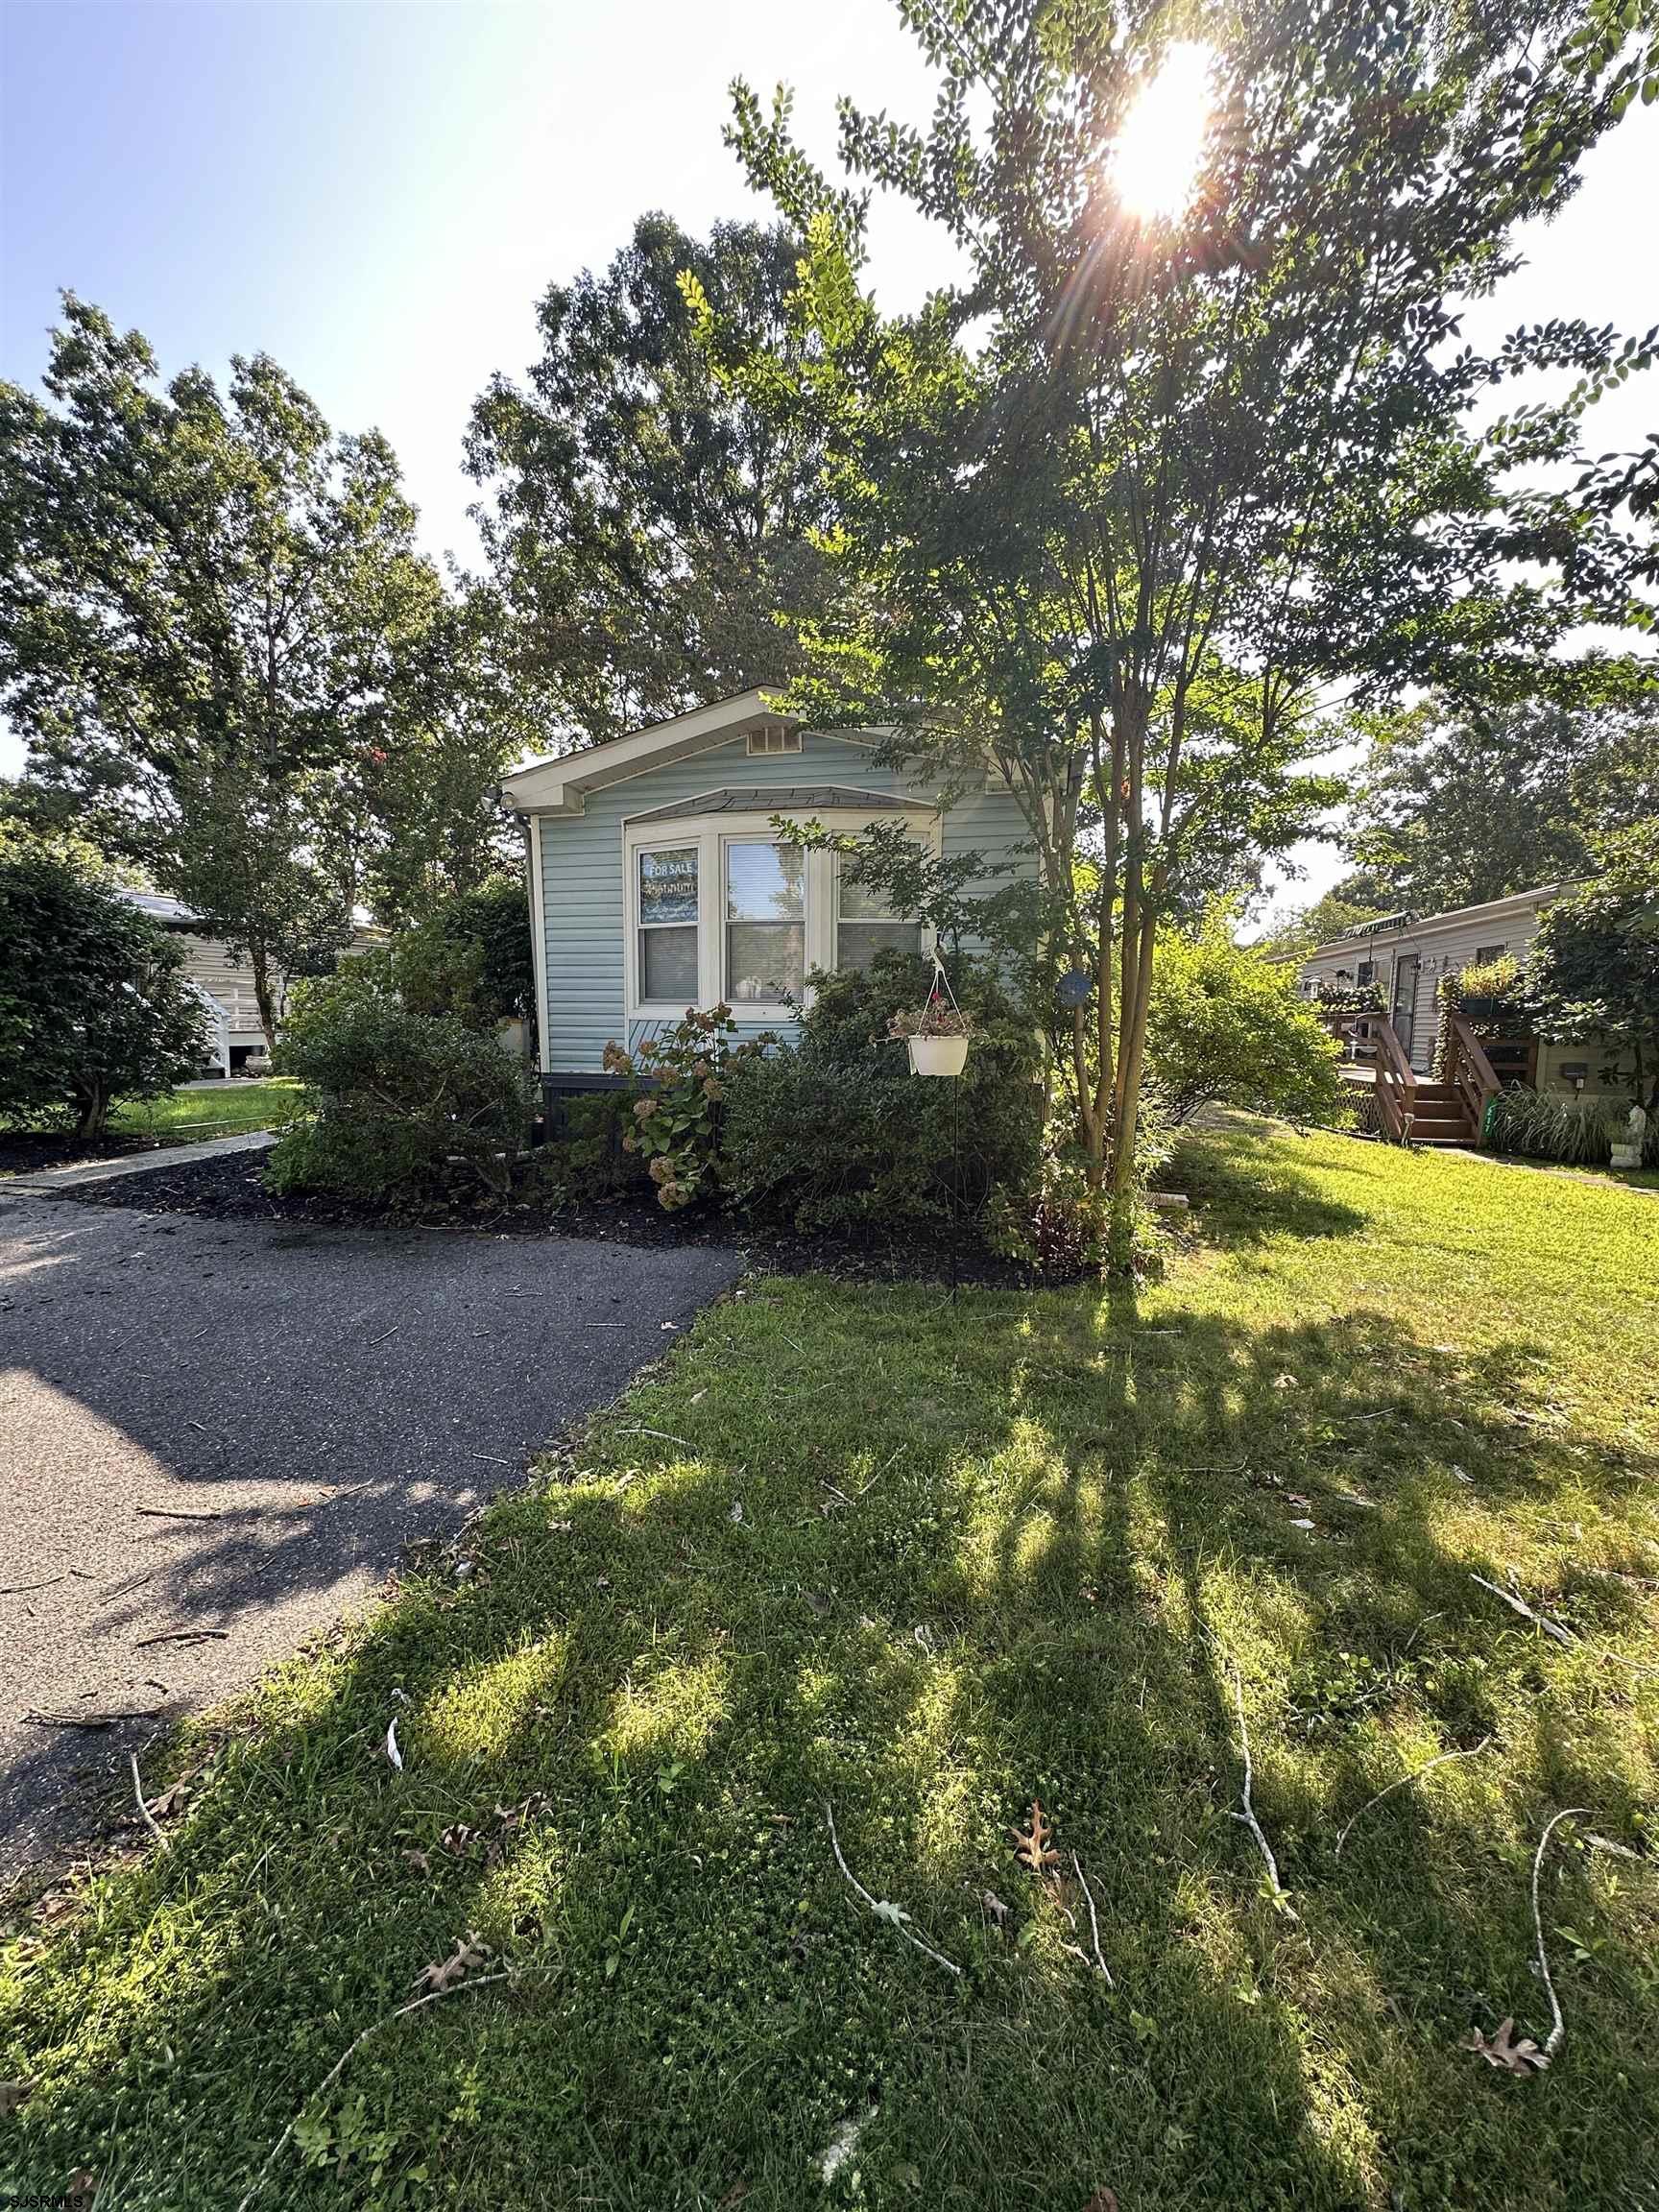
{"points": [[560, 785]]}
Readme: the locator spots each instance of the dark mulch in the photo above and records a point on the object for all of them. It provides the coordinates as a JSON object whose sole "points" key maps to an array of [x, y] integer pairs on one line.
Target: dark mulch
{"points": [[230, 1189], [26, 1151]]}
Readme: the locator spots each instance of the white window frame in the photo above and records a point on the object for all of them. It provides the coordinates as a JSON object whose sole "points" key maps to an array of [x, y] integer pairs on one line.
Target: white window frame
{"points": [[712, 833], [926, 936]]}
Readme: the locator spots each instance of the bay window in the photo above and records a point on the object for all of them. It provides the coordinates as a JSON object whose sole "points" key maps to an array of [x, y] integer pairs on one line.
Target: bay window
{"points": [[765, 922], [719, 908]]}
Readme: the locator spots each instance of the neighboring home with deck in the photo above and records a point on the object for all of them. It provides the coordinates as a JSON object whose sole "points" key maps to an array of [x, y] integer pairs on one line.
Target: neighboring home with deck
{"points": [[233, 1037], [1403, 959], [222, 979], [657, 881]]}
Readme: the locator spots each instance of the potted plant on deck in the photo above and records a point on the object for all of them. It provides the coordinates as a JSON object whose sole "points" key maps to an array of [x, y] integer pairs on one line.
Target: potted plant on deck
{"points": [[937, 1033]]}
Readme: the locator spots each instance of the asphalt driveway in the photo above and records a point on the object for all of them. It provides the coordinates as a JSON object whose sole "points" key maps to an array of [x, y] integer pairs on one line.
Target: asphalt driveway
{"points": [[216, 1437]]}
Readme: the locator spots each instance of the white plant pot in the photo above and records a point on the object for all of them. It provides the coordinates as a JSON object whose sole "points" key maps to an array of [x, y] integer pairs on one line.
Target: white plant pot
{"points": [[937, 1055]]}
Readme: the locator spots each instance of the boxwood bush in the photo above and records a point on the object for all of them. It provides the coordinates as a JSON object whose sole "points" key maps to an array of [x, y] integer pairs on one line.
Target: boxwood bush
{"points": [[834, 1131]]}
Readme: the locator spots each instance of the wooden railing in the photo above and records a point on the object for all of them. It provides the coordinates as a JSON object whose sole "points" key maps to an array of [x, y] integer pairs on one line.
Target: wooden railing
{"points": [[1469, 1071], [1396, 1083], [1352, 1032]]}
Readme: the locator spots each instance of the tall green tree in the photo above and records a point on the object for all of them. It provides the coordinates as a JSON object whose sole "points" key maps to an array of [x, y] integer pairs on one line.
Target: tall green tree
{"points": [[1593, 967], [428, 796], [208, 607], [1118, 499], [1464, 802], [647, 523]]}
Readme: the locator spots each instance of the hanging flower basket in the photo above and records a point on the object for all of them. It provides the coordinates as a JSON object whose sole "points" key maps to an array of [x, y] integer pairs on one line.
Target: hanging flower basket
{"points": [[937, 1033], [937, 1055]]}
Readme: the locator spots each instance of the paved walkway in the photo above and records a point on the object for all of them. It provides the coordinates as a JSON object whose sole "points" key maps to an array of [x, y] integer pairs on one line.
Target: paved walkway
{"points": [[45, 1180], [234, 1428]]}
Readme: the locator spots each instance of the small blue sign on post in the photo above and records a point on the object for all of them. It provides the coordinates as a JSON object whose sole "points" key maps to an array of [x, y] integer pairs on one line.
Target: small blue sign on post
{"points": [[1074, 988]]}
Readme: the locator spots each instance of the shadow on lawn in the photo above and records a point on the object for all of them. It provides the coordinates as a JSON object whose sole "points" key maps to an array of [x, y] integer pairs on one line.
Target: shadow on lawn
{"points": [[1032, 1582], [1245, 1190]]}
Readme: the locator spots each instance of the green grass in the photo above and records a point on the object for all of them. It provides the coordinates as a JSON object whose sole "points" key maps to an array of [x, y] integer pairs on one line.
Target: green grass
{"points": [[190, 1117], [1010, 1547]]}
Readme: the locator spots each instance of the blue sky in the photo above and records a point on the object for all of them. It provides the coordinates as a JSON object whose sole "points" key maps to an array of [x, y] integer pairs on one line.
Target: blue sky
{"points": [[376, 191]]}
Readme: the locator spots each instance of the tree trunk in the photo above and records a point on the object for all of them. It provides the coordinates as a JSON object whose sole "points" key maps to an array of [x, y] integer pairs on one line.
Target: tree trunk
{"points": [[94, 1102], [262, 994]]}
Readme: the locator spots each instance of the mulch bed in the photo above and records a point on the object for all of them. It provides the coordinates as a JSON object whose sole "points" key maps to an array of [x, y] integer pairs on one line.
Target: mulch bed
{"points": [[230, 1189], [27, 1151]]}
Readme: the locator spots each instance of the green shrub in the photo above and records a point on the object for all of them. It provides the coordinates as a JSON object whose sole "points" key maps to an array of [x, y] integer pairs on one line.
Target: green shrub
{"points": [[676, 1110], [1576, 1130], [1063, 1226], [1225, 1027], [93, 1003], [497, 917], [408, 1092], [834, 1131]]}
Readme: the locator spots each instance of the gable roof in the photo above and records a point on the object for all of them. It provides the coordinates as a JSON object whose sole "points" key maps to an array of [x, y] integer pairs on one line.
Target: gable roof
{"points": [[560, 784]]}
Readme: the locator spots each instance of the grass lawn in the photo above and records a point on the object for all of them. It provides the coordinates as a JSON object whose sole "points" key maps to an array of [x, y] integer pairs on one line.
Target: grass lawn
{"points": [[925, 1562], [189, 1116]]}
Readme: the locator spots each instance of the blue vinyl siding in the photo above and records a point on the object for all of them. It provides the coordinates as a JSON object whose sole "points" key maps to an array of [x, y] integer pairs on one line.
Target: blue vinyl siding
{"points": [[582, 883]]}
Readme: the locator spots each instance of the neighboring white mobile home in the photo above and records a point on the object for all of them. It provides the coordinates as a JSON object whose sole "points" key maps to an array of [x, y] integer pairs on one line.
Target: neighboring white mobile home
{"points": [[1406, 957]]}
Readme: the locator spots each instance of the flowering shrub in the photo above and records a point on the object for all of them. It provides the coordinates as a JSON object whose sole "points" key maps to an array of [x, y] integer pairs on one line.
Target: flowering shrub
{"points": [[676, 1117]]}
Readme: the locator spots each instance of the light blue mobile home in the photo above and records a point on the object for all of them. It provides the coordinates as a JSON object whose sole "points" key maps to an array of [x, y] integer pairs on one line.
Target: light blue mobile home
{"points": [[657, 881]]}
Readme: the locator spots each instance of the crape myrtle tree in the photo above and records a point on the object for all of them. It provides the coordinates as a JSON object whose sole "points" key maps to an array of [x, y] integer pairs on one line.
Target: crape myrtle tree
{"points": [[1136, 488], [210, 607], [648, 526]]}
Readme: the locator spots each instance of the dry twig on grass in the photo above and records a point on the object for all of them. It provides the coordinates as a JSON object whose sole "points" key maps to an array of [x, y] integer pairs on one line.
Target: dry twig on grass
{"points": [[1558, 2027], [895, 1915], [1248, 1815], [433, 1997], [1563, 1636], [144, 1812], [1093, 1923], [1405, 1780]]}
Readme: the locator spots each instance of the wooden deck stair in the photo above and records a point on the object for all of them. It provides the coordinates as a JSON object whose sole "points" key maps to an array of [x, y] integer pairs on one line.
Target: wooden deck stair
{"points": [[1441, 1115]]}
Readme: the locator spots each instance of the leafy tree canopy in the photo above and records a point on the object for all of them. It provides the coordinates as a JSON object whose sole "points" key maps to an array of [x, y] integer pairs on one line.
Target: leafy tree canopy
{"points": [[1115, 505], [1463, 803], [648, 524], [1593, 967], [211, 615]]}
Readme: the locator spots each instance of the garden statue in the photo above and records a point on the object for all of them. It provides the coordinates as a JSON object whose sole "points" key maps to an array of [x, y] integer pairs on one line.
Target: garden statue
{"points": [[1629, 1153]]}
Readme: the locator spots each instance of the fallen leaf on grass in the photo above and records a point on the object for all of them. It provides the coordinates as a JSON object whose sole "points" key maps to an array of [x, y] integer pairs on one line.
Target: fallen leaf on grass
{"points": [[392, 1751], [417, 1862], [170, 1801], [995, 1906], [445, 1973], [1031, 1842], [13, 2095], [458, 1838], [1512, 2053]]}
